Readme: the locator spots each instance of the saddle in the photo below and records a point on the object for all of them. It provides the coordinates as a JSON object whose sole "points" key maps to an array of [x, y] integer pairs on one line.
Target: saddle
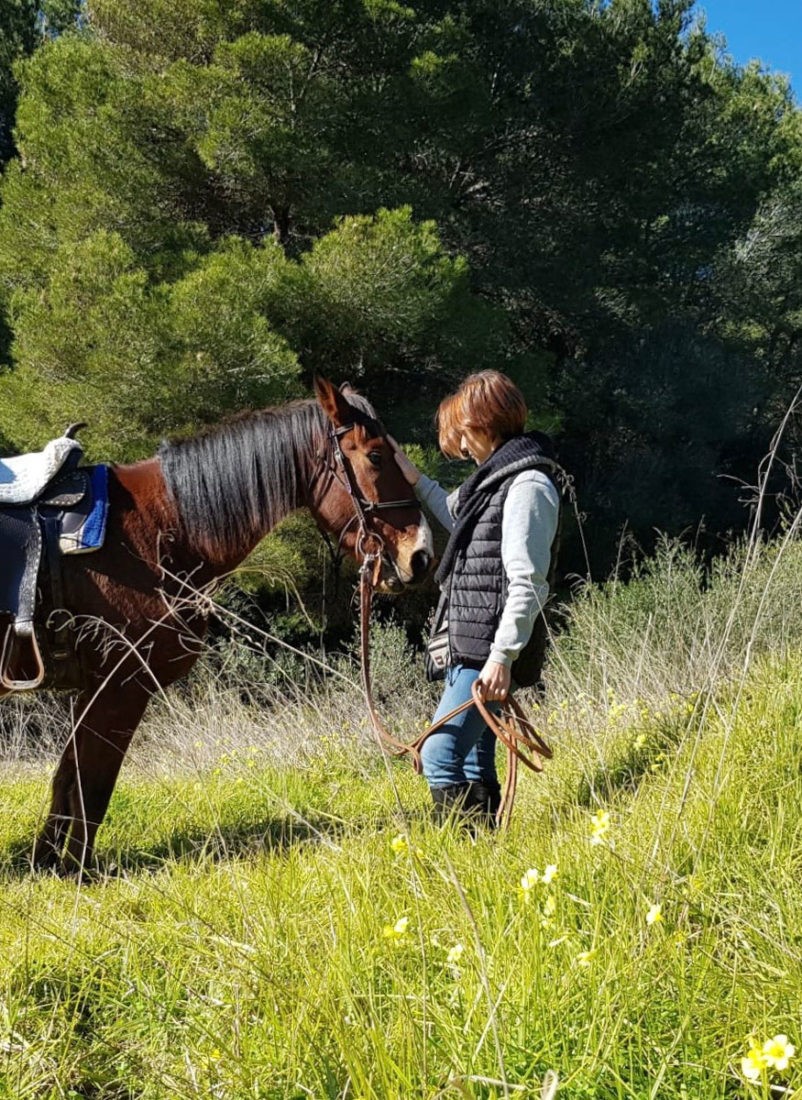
{"points": [[49, 506]]}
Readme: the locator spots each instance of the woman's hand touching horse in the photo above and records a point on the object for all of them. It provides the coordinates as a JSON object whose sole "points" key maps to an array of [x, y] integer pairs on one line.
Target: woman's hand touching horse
{"points": [[408, 469]]}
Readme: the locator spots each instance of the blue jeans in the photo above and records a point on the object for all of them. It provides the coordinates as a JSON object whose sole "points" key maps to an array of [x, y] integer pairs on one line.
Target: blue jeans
{"points": [[464, 749]]}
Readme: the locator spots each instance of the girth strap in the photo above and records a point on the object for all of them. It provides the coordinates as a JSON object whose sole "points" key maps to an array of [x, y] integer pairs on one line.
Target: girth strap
{"points": [[59, 621]]}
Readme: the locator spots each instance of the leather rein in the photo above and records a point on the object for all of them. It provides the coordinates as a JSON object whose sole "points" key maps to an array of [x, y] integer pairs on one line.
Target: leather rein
{"points": [[512, 728]]}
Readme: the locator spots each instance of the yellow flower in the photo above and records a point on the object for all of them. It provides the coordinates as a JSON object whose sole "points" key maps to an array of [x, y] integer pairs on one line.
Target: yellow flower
{"points": [[397, 931], [550, 906], [658, 762], [778, 1052], [550, 873], [599, 826], [530, 879], [455, 954], [754, 1063], [584, 958], [399, 844], [654, 914], [640, 741]]}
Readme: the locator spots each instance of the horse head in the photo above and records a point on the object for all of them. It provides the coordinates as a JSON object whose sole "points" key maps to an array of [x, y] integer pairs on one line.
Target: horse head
{"points": [[365, 501]]}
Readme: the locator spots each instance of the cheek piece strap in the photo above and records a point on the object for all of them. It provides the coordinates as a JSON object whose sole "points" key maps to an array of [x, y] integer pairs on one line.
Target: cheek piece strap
{"points": [[369, 544]]}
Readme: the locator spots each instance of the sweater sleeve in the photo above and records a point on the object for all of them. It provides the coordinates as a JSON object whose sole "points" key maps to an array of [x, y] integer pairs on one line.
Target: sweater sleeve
{"points": [[528, 527], [437, 500]]}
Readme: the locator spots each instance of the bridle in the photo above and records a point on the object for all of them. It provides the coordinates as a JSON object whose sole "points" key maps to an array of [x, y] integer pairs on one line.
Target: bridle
{"points": [[511, 727], [369, 543]]}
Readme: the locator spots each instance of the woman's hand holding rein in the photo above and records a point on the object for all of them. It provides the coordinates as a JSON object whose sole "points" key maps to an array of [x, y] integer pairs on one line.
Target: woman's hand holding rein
{"points": [[494, 681]]}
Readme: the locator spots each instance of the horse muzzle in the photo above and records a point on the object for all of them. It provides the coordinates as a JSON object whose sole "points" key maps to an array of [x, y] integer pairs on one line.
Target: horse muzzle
{"points": [[406, 561], [395, 578], [411, 559]]}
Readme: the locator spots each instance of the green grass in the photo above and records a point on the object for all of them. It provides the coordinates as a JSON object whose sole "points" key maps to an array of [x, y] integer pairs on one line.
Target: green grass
{"points": [[241, 941]]}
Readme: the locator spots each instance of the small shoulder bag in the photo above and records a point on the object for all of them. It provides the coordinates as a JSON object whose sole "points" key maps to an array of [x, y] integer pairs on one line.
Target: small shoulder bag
{"points": [[436, 657]]}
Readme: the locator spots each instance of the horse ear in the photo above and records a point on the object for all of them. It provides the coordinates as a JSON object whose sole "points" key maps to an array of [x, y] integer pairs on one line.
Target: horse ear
{"points": [[332, 401]]}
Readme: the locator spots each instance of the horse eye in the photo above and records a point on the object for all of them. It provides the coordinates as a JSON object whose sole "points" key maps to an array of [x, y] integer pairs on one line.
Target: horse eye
{"points": [[375, 457]]}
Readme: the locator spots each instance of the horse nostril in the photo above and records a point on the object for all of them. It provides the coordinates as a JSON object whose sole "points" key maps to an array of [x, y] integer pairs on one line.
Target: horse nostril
{"points": [[420, 563]]}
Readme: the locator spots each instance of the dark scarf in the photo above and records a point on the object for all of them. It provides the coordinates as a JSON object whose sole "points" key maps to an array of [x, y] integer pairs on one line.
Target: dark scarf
{"points": [[522, 452]]}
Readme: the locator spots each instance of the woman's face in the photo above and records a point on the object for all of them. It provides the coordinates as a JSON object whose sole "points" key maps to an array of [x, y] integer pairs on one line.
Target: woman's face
{"points": [[477, 444]]}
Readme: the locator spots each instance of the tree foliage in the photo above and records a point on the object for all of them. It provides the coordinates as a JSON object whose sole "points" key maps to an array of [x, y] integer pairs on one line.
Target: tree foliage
{"points": [[214, 200]]}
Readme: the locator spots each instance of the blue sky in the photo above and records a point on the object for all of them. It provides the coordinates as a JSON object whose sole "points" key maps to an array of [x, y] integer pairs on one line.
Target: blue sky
{"points": [[768, 29]]}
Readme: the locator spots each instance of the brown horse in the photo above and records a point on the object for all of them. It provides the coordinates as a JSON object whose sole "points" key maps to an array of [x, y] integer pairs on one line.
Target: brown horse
{"points": [[177, 522]]}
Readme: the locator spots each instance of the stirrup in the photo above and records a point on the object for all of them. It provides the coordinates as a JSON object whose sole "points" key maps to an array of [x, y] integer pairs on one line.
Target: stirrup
{"points": [[20, 685]]}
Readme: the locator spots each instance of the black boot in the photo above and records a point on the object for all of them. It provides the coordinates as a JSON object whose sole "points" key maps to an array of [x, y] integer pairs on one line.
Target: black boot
{"points": [[450, 801], [483, 801]]}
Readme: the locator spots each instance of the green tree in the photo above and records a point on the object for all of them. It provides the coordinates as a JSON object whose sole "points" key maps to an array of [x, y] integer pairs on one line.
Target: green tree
{"points": [[17, 38], [398, 194]]}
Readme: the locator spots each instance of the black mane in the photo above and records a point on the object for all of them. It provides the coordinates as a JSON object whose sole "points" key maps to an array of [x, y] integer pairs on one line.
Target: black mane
{"points": [[236, 480]]}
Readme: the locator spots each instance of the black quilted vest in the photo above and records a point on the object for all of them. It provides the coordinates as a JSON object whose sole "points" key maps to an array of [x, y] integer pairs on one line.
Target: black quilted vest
{"points": [[471, 574]]}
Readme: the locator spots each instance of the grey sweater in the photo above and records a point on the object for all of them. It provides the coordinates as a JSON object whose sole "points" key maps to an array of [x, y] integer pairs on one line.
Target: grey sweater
{"points": [[528, 527]]}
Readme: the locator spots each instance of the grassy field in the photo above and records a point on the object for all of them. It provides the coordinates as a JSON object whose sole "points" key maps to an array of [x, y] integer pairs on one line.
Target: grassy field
{"points": [[278, 918]]}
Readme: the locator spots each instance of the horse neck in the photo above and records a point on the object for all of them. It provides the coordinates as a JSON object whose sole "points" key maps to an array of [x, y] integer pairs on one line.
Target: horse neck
{"points": [[298, 471], [234, 484]]}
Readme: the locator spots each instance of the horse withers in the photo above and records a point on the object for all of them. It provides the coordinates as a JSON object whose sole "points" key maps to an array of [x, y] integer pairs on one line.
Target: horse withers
{"points": [[177, 522]]}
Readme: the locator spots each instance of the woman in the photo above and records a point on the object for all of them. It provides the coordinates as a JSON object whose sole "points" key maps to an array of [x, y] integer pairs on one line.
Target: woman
{"points": [[493, 575]]}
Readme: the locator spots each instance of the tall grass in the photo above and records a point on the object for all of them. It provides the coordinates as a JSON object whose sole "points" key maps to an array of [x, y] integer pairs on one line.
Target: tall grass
{"points": [[278, 917]]}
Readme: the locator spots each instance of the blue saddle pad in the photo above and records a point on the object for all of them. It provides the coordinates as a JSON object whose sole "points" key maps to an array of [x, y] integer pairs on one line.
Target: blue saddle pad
{"points": [[83, 527]]}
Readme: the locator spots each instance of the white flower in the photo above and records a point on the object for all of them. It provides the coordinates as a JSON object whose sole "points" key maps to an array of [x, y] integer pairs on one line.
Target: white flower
{"points": [[654, 914], [530, 879]]}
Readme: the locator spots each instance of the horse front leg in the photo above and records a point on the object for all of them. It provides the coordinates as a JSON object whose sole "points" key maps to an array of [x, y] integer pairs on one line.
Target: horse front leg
{"points": [[87, 772], [50, 841]]}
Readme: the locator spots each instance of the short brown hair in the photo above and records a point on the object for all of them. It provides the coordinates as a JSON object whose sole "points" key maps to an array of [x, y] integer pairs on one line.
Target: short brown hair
{"points": [[488, 401]]}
